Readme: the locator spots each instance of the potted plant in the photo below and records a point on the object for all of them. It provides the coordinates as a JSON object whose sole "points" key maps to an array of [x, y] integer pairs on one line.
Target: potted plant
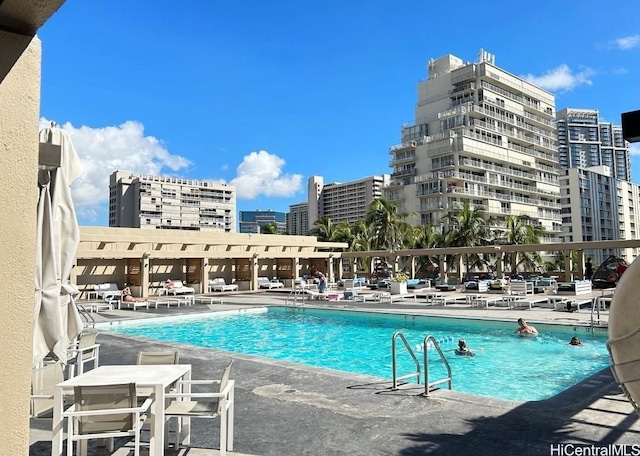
{"points": [[398, 283]]}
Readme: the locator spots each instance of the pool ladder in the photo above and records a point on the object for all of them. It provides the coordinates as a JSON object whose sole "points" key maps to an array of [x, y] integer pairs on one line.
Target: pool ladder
{"points": [[86, 315], [428, 341], [297, 294]]}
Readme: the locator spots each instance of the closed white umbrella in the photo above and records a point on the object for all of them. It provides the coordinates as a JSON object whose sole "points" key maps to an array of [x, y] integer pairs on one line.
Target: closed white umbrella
{"points": [[57, 321]]}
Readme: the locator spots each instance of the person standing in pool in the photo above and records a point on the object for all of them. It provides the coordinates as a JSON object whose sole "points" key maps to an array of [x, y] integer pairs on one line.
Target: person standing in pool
{"points": [[575, 341], [526, 330], [463, 350]]}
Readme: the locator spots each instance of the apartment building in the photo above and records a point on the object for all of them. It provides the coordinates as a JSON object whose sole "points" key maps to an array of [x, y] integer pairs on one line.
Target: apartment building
{"points": [[253, 221], [298, 219], [343, 202], [599, 207], [584, 141], [170, 203], [480, 136]]}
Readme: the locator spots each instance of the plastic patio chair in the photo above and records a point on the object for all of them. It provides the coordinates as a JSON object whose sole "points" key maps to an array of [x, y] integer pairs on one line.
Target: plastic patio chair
{"points": [[104, 412], [188, 404]]}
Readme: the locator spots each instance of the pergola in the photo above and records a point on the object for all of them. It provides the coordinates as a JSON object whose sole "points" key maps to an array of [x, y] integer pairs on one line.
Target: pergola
{"points": [[145, 258], [501, 250]]}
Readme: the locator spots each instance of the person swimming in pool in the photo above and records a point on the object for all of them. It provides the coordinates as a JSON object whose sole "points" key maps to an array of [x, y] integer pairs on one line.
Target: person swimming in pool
{"points": [[526, 330], [575, 341], [463, 350]]}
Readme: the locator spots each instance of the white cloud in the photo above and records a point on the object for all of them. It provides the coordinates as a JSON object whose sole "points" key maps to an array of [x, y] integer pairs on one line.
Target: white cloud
{"points": [[634, 149], [260, 173], [561, 79], [105, 150], [628, 42]]}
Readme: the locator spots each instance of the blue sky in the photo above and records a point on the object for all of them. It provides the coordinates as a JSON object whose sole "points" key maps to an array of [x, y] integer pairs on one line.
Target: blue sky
{"points": [[264, 94]]}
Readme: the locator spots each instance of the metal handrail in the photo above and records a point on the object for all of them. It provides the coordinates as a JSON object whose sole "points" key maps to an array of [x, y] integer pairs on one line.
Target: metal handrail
{"points": [[427, 384], [292, 299], [86, 315], [394, 367]]}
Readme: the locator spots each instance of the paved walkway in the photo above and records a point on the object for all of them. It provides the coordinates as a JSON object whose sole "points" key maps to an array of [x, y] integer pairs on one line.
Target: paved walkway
{"points": [[286, 409]]}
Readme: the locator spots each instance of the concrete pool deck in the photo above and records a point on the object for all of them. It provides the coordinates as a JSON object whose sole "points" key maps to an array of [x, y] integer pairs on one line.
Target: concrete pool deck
{"points": [[287, 409]]}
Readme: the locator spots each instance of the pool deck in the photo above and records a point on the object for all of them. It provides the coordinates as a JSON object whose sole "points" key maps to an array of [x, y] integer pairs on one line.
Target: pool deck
{"points": [[286, 409]]}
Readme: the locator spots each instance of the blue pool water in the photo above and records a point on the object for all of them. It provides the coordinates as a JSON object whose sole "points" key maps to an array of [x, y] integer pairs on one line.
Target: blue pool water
{"points": [[506, 366]]}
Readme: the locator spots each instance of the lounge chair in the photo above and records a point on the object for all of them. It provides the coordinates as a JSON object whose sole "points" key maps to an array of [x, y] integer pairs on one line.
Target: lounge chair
{"points": [[176, 287], [221, 285], [264, 282], [107, 290], [43, 379], [104, 412], [219, 403]]}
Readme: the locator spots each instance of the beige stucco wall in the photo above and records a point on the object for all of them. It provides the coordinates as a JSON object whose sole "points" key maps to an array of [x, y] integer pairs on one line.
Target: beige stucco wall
{"points": [[20, 102]]}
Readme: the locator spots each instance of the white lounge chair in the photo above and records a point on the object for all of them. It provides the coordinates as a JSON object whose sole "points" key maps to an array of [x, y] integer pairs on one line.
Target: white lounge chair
{"points": [[107, 290], [207, 405], [264, 282], [176, 287], [221, 285]]}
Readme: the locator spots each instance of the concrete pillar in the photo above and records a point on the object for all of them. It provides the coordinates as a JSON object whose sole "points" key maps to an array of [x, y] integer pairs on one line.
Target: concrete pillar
{"points": [[204, 275], [144, 276], [255, 268], [568, 266], [296, 268], [499, 264], [330, 270], [19, 112], [580, 272], [412, 261]]}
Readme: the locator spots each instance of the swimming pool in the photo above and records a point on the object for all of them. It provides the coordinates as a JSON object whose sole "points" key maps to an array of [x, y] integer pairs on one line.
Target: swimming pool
{"points": [[505, 366]]}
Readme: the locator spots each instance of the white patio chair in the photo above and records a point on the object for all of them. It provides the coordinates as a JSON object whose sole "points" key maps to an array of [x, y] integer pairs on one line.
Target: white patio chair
{"points": [[85, 352], [208, 405], [104, 412], [43, 379], [158, 357]]}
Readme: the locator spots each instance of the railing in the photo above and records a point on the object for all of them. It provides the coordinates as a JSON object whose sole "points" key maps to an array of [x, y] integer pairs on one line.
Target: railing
{"points": [[429, 341], [448, 378], [297, 294], [86, 315], [394, 367]]}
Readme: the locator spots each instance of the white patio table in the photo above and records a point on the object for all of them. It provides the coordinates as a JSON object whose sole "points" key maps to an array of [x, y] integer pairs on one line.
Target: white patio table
{"points": [[158, 377]]}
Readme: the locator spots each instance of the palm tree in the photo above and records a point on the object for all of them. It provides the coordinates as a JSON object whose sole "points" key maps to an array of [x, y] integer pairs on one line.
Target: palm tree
{"points": [[268, 228], [323, 229], [467, 228], [425, 237], [386, 226], [520, 230]]}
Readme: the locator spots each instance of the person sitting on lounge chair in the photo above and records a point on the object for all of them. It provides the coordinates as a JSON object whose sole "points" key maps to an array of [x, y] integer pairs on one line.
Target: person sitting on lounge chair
{"points": [[126, 296]]}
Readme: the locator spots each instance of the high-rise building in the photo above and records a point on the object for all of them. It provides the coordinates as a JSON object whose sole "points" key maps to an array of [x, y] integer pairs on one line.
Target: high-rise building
{"points": [[298, 219], [597, 207], [253, 221], [343, 202], [170, 203], [585, 141], [481, 136]]}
